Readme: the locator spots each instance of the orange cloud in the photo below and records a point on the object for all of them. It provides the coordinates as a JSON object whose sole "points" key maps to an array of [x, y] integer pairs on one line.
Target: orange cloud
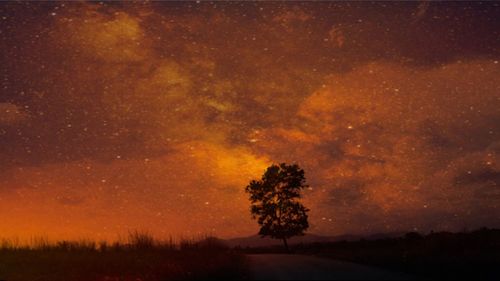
{"points": [[115, 38], [11, 114]]}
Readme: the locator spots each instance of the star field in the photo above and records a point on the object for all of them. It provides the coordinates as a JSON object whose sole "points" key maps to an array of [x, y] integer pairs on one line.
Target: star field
{"points": [[155, 115]]}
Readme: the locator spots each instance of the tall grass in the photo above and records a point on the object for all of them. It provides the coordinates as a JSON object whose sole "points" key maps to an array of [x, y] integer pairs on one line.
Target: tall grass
{"points": [[135, 240], [138, 257]]}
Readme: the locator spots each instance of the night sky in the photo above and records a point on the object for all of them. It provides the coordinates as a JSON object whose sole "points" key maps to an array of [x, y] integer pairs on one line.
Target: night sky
{"points": [[155, 116]]}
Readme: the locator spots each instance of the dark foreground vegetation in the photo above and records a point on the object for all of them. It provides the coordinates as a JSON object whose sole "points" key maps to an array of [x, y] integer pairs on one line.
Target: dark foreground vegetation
{"points": [[140, 258], [441, 255]]}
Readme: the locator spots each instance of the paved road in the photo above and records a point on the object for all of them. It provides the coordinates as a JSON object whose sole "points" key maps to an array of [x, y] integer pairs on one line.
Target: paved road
{"points": [[298, 267]]}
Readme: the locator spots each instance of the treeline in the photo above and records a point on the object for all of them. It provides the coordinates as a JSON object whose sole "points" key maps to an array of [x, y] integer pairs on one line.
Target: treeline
{"points": [[437, 255]]}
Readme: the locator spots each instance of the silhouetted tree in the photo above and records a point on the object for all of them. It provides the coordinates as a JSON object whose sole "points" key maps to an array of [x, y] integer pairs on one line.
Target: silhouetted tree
{"points": [[275, 202]]}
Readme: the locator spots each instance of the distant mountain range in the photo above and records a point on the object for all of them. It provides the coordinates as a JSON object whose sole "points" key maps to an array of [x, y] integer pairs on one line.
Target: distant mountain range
{"points": [[257, 241]]}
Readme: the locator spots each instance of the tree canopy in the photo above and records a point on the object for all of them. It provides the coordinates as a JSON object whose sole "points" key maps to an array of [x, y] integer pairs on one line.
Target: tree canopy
{"points": [[275, 202]]}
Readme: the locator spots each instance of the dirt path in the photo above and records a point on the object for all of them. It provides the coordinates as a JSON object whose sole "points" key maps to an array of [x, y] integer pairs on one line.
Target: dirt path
{"points": [[298, 267]]}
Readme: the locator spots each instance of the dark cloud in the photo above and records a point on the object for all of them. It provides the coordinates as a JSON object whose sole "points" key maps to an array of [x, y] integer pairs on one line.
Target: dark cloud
{"points": [[348, 191], [435, 135], [486, 176]]}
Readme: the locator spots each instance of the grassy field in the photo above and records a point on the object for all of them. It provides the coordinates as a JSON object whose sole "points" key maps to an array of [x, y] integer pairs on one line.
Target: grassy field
{"points": [[139, 258]]}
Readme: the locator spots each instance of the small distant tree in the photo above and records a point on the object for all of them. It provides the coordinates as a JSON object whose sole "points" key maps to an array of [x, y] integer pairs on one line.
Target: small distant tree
{"points": [[275, 202]]}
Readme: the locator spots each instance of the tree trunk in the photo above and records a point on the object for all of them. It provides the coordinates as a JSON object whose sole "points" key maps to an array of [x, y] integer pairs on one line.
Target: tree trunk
{"points": [[286, 246]]}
